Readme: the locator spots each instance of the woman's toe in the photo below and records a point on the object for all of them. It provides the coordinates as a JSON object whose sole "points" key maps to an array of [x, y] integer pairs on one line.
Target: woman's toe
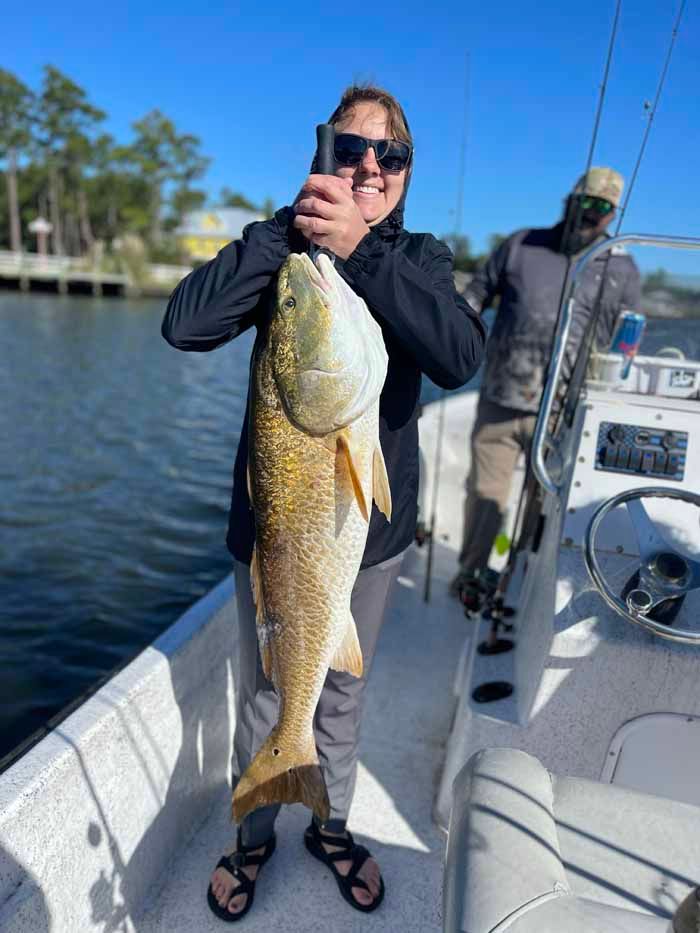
{"points": [[362, 897], [223, 895], [237, 903]]}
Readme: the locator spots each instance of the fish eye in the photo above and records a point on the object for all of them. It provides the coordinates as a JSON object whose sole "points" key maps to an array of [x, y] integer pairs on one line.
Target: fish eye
{"points": [[290, 304]]}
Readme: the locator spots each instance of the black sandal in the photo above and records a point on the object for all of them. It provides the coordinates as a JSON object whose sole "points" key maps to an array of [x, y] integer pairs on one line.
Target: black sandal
{"points": [[233, 863], [314, 839]]}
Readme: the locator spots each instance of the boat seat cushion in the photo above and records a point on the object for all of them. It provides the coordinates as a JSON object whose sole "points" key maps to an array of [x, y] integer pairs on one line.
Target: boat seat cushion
{"points": [[531, 852]]}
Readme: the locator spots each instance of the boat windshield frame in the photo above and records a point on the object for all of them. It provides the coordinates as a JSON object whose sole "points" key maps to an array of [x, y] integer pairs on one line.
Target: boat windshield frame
{"points": [[542, 440]]}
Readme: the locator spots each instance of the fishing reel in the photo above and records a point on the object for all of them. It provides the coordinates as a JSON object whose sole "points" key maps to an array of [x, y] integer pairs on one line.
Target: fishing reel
{"points": [[475, 590], [498, 614]]}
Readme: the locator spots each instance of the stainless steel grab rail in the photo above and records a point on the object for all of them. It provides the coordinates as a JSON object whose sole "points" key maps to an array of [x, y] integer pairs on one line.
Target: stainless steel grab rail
{"points": [[541, 438]]}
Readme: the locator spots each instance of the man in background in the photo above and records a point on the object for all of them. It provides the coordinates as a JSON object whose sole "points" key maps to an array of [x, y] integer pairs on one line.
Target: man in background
{"points": [[527, 272]]}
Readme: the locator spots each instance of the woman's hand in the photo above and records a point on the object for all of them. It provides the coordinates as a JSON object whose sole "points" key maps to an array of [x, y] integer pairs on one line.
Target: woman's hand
{"points": [[327, 215]]}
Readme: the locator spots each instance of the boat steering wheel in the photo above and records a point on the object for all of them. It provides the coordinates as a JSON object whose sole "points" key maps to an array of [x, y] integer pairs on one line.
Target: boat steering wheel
{"points": [[663, 573]]}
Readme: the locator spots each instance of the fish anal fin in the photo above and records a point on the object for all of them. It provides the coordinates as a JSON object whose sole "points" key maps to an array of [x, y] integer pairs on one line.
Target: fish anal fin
{"points": [[381, 491], [348, 655], [260, 617], [279, 774], [345, 453]]}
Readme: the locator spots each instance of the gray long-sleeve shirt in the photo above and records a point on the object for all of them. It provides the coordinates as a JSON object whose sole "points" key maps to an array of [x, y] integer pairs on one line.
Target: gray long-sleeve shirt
{"points": [[527, 272]]}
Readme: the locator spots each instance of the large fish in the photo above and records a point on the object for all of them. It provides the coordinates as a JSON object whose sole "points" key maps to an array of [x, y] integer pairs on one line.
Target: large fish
{"points": [[314, 466]]}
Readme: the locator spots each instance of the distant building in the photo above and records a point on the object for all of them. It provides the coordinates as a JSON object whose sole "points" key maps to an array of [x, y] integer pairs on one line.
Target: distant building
{"points": [[203, 233]]}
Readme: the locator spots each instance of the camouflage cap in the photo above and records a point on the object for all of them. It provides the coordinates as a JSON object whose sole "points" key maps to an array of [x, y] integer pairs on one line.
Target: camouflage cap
{"points": [[601, 183]]}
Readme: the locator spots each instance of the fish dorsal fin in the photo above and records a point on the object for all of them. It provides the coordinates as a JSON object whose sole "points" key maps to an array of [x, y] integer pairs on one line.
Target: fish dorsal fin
{"points": [[343, 450], [348, 656], [381, 490], [260, 618]]}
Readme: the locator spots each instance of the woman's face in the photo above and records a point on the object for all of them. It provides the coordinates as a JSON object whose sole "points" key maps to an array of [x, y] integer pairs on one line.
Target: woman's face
{"points": [[375, 191]]}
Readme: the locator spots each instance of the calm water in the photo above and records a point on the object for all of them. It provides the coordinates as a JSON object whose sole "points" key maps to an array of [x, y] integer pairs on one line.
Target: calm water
{"points": [[116, 457]]}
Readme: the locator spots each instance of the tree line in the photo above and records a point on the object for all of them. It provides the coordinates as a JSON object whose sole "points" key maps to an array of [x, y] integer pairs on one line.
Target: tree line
{"points": [[59, 163], [56, 162]]}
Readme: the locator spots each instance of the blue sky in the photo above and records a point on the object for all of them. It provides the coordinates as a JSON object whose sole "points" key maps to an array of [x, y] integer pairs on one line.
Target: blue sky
{"points": [[253, 80]]}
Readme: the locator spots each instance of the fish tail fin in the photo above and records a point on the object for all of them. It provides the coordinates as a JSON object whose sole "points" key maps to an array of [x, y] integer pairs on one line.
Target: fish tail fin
{"points": [[278, 775]]}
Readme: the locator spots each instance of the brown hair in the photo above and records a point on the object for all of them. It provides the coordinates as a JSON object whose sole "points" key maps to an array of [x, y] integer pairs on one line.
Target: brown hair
{"points": [[368, 93]]}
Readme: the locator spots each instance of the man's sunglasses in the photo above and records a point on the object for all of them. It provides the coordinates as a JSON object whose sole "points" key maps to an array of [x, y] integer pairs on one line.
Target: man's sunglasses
{"points": [[392, 155], [598, 205]]}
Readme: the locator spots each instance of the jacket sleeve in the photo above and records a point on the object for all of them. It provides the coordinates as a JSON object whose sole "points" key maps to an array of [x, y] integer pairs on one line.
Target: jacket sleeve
{"points": [[632, 293], [216, 302], [630, 299], [487, 281], [421, 307]]}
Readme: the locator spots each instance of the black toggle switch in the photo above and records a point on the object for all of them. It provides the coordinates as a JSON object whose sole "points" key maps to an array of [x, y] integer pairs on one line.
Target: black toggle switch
{"points": [[623, 457], [610, 455], [673, 465], [660, 461], [647, 461]]}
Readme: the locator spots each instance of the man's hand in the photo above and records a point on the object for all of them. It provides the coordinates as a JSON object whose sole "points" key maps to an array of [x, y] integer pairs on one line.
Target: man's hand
{"points": [[327, 215]]}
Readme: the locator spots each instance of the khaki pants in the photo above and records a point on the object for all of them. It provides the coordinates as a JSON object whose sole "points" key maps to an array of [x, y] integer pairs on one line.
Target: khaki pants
{"points": [[500, 435]]}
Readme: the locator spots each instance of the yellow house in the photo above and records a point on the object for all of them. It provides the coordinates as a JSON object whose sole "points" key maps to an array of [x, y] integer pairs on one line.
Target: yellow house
{"points": [[203, 233]]}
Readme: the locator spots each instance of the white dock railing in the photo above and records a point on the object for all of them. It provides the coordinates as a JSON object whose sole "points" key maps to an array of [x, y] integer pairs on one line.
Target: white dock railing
{"points": [[62, 268]]}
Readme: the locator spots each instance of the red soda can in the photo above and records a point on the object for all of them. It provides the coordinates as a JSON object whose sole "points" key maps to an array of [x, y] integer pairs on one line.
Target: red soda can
{"points": [[628, 337]]}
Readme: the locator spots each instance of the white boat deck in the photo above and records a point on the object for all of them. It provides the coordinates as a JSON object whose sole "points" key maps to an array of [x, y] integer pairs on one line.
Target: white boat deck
{"points": [[116, 820], [405, 726]]}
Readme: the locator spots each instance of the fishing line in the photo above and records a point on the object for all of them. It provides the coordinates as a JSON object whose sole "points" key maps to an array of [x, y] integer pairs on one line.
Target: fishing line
{"points": [[652, 113], [443, 394]]}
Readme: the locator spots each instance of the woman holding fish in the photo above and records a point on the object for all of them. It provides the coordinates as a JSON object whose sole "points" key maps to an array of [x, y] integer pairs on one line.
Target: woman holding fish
{"points": [[326, 476]]}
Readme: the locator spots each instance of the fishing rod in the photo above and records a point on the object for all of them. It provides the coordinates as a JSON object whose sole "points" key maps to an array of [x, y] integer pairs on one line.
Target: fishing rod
{"points": [[529, 500], [430, 535], [581, 367], [572, 222], [652, 112], [526, 529]]}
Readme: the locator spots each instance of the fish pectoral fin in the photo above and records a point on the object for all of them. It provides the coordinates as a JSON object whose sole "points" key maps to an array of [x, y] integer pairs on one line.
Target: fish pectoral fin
{"points": [[343, 451], [260, 618], [249, 483], [381, 491], [348, 656]]}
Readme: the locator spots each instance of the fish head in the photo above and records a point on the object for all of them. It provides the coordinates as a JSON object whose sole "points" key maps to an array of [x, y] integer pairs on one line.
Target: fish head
{"points": [[328, 356]]}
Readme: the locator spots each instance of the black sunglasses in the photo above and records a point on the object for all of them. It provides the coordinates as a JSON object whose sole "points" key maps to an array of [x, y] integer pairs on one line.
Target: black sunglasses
{"points": [[597, 205], [392, 155]]}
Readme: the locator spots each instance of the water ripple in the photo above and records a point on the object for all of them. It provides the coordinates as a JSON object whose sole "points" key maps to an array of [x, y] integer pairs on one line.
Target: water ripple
{"points": [[116, 466]]}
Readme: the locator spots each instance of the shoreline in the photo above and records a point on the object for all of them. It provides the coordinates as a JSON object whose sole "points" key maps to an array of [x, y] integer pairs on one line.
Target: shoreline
{"points": [[83, 286]]}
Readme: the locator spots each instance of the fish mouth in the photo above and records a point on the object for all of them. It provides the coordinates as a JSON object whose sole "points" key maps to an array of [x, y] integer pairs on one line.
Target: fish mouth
{"points": [[315, 273]]}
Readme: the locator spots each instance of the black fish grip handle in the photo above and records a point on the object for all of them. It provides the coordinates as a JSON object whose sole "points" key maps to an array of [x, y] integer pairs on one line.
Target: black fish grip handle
{"points": [[325, 165]]}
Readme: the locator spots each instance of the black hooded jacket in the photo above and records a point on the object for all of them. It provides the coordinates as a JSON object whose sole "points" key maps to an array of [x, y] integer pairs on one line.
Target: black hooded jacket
{"points": [[406, 280]]}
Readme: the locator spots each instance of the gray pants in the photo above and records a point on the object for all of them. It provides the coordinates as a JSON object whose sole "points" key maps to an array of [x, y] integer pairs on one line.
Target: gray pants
{"points": [[337, 719], [500, 435]]}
